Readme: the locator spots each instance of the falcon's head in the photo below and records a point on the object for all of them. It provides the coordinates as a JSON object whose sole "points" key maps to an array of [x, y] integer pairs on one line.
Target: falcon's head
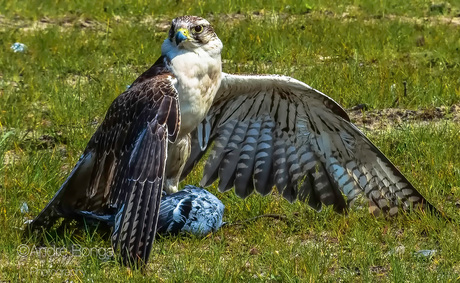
{"points": [[191, 33]]}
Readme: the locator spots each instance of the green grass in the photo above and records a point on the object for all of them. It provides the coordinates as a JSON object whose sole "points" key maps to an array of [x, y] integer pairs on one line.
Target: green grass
{"points": [[82, 54], [105, 9]]}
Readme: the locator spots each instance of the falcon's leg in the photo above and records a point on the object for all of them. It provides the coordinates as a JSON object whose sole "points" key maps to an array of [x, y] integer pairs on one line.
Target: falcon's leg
{"points": [[178, 153]]}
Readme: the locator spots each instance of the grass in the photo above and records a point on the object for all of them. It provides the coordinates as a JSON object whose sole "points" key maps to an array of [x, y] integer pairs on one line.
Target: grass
{"points": [[82, 54]]}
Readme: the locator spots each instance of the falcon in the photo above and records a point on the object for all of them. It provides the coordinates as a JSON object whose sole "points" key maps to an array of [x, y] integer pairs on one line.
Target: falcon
{"points": [[263, 131]]}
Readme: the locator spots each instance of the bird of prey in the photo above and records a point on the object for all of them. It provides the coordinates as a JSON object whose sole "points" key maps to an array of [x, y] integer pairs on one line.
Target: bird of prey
{"points": [[264, 131]]}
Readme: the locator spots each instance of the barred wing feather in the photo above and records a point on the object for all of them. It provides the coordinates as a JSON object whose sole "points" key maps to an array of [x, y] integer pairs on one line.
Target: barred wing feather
{"points": [[121, 171], [277, 131]]}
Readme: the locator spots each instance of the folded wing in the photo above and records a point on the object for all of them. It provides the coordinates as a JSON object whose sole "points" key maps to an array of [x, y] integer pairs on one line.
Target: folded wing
{"points": [[122, 169], [276, 131], [139, 195]]}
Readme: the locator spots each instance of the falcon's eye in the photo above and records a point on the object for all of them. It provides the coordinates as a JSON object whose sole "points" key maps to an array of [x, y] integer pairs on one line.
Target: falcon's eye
{"points": [[198, 29]]}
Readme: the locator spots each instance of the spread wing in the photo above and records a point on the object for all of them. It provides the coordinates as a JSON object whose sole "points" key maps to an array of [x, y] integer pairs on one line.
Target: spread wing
{"points": [[122, 168], [276, 131]]}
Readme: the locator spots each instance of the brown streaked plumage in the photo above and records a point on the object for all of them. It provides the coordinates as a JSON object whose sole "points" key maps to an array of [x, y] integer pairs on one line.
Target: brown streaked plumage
{"points": [[123, 169], [268, 131]]}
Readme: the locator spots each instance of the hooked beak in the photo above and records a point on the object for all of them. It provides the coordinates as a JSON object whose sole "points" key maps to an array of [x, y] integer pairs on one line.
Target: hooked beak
{"points": [[181, 35]]}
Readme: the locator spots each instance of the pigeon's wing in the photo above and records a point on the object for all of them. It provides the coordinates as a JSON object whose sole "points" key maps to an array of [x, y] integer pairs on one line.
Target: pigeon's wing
{"points": [[193, 210], [276, 131], [122, 167], [174, 213]]}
